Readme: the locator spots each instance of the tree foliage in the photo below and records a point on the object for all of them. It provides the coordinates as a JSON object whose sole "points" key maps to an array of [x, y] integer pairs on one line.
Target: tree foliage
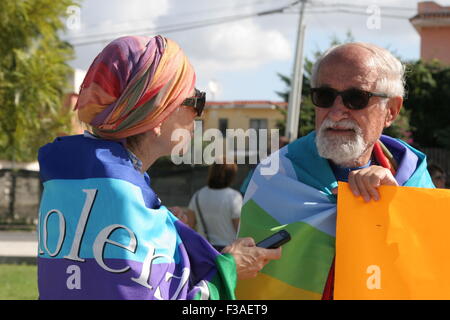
{"points": [[428, 100], [33, 75]]}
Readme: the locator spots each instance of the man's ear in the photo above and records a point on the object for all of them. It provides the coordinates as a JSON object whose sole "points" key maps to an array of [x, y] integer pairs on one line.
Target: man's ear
{"points": [[394, 106]]}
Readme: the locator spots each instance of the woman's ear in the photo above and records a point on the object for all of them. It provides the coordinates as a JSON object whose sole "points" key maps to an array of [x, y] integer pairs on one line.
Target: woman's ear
{"points": [[156, 130], [394, 106]]}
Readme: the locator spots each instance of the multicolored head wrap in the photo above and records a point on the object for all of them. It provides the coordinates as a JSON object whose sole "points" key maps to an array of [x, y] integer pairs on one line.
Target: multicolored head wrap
{"points": [[133, 85]]}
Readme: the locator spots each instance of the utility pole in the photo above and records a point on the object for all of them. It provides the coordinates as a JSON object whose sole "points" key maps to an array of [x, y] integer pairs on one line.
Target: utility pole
{"points": [[295, 95]]}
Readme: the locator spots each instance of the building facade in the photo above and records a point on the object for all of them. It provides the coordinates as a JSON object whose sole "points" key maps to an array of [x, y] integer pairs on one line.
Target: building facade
{"points": [[432, 22], [243, 114]]}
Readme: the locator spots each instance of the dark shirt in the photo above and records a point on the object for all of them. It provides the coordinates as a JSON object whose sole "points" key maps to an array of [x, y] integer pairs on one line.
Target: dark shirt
{"points": [[342, 173]]}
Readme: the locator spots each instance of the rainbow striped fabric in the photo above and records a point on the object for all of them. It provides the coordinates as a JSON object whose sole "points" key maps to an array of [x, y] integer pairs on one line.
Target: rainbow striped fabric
{"points": [[298, 198], [100, 237], [133, 85]]}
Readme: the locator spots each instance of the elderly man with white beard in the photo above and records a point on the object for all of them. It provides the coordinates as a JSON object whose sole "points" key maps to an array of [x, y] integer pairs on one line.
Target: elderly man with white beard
{"points": [[358, 91]]}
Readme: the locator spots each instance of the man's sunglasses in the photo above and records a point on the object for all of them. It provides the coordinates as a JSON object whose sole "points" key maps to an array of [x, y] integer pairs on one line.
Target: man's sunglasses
{"points": [[353, 99], [197, 101]]}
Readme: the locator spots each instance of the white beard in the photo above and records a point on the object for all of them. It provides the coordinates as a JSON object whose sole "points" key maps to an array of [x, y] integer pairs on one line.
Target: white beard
{"points": [[343, 151]]}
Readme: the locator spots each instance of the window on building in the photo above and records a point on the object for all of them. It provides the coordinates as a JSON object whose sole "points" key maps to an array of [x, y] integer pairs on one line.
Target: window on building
{"points": [[223, 126], [258, 124]]}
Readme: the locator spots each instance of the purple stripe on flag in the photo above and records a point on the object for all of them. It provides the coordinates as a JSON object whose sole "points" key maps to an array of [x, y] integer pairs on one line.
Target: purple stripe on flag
{"points": [[64, 279], [199, 251], [408, 163]]}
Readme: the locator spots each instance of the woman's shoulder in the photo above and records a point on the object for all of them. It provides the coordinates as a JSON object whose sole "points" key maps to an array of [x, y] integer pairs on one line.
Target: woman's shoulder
{"points": [[232, 192], [199, 191]]}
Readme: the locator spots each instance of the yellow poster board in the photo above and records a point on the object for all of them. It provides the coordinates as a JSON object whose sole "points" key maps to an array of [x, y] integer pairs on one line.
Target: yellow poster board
{"points": [[394, 248]]}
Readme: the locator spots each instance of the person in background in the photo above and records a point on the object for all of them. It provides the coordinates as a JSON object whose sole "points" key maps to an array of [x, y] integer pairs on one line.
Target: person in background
{"points": [[215, 209], [437, 175]]}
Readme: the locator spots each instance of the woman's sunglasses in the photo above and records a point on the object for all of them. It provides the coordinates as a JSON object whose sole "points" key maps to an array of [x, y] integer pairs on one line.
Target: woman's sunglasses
{"points": [[353, 99], [197, 101]]}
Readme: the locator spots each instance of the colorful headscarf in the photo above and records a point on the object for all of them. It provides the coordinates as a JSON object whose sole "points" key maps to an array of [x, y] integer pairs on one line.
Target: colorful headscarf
{"points": [[133, 85]]}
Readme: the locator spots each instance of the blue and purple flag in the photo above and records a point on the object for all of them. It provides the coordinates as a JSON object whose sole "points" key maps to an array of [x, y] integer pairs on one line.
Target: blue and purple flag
{"points": [[102, 236]]}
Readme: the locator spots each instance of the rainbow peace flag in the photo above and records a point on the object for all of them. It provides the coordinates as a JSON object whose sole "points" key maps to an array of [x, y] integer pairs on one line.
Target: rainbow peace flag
{"points": [[101, 236], [291, 190]]}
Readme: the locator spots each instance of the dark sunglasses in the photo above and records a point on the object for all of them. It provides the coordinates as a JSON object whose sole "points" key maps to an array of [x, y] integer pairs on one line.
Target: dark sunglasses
{"points": [[353, 99], [197, 101]]}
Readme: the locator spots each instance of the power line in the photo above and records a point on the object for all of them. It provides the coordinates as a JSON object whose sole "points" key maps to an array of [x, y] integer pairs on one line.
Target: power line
{"points": [[324, 5], [208, 11], [384, 15], [316, 8], [181, 26]]}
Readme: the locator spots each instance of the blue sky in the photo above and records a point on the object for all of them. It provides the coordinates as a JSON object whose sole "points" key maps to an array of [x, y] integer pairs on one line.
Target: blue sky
{"points": [[242, 58]]}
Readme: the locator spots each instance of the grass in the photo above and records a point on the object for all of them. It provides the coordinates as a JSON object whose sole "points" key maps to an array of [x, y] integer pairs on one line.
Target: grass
{"points": [[18, 282]]}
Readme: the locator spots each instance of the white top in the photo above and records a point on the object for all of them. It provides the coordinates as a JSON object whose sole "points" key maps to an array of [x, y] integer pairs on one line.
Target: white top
{"points": [[218, 207]]}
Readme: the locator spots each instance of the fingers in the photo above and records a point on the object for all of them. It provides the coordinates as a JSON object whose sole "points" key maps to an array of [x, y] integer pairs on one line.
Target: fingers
{"points": [[179, 213], [370, 181], [249, 258], [365, 182], [247, 242], [272, 254]]}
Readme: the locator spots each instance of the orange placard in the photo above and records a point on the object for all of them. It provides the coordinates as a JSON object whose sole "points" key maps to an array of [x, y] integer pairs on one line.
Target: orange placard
{"points": [[394, 248]]}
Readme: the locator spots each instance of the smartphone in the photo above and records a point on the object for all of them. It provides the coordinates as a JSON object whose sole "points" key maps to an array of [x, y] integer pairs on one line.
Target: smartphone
{"points": [[275, 240]]}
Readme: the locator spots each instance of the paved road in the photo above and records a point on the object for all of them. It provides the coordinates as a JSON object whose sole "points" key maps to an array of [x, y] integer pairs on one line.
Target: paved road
{"points": [[18, 246]]}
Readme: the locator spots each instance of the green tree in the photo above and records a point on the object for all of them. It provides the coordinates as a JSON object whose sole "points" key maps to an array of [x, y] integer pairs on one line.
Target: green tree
{"points": [[33, 75], [306, 123], [400, 128], [428, 89]]}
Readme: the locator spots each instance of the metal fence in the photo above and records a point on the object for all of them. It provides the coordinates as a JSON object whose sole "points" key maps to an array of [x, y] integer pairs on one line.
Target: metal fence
{"points": [[20, 190], [440, 157]]}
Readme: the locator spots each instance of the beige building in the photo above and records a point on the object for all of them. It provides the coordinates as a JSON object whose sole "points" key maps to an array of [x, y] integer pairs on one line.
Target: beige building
{"points": [[432, 22], [222, 115], [243, 120], [243, 115]]}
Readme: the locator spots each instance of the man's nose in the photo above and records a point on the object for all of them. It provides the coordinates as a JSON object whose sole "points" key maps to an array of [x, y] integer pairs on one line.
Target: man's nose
{"points": [[338, 110]]}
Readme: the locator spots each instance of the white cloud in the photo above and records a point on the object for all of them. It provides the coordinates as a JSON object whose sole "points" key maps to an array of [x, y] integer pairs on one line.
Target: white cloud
{"points": [[100, 16], [104, 20], [236, 46], [245, 49], [245, 44]]}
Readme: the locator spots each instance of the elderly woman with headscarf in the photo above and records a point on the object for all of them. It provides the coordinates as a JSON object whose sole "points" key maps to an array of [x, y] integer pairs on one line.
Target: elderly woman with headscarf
{"points": [[103, 233]]}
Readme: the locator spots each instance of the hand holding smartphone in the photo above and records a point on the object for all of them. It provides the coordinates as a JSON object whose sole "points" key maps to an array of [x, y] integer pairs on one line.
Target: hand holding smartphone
{"points": [[275, 240]]}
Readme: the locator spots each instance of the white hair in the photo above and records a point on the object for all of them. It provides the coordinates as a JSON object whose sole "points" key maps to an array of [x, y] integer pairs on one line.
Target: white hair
{"points": [[391, 72], [343, 151]]}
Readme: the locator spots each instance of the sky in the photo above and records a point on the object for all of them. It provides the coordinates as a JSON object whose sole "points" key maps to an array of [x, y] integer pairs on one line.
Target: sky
{"points": [[241, 59]]}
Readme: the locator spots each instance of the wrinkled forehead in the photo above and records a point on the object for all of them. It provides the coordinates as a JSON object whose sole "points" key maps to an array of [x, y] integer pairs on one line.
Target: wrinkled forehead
{"points": [[348, 67]]}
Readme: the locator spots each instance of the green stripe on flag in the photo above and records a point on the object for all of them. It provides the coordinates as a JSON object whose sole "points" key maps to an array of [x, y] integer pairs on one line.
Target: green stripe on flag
{"points": [[223, 285], [306, 259]]}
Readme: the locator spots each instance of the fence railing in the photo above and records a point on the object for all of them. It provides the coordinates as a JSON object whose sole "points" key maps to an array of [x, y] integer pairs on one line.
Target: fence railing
{"points": [[20, 190], [440, 157]]}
